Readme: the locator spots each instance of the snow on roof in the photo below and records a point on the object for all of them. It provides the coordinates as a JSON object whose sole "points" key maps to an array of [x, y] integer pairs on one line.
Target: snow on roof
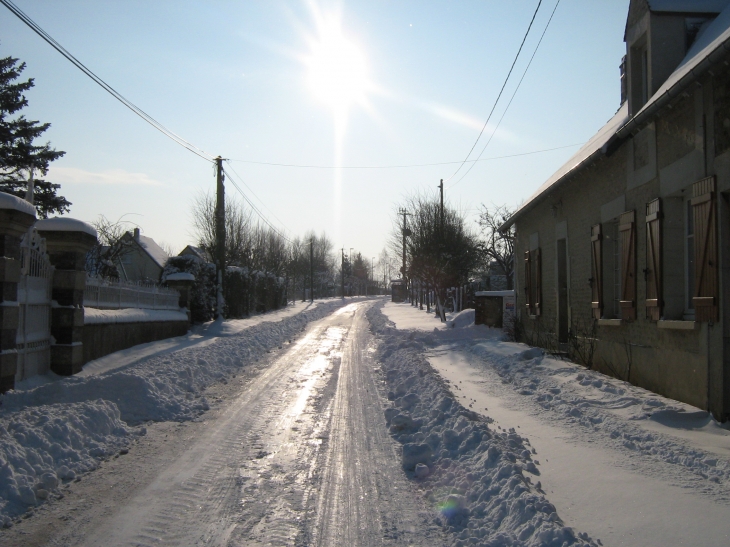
{"points": [[180, 276], [579, 158], [65, 225], [153, 249], [9, 201], [688, 6], [714, 37]]}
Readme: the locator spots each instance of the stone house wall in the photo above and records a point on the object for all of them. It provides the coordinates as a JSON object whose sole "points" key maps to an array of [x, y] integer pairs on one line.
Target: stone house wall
{"points": [[675, 356]]}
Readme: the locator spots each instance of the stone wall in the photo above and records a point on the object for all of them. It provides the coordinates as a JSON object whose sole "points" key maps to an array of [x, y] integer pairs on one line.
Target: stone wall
{"points": [[100, 339], [674, 356]]}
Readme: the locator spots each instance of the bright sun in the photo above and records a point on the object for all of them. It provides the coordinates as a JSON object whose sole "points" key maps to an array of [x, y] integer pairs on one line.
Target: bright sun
{"points": [[338, 73]]}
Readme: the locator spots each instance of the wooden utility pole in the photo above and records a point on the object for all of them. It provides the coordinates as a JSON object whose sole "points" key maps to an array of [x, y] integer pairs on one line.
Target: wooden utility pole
{"points": [[441, 189], [220, 236], [403, 212], [342, 272], [311, 270]]}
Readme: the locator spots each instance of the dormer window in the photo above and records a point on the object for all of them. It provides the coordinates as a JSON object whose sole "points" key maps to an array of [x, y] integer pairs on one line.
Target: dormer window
{"points": [[692, 28], [639, 60]]}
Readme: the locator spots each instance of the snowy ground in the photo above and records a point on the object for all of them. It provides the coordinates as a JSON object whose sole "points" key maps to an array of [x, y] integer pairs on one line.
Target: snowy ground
{"points": [[341, 424], [54, 429], [623, 465]]}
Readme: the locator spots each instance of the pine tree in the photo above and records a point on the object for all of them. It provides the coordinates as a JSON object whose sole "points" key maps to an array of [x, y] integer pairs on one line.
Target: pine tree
{"points": [[18, 154]]}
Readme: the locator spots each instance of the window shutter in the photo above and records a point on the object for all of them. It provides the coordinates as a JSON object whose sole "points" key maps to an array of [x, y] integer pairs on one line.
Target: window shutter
{"points": [[654, 302], [706, 291], [538, 281], [627, 230], [597, 271], [528, 283]]}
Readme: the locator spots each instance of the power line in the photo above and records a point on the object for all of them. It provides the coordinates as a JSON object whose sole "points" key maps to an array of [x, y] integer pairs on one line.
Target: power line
{"points": [[500, 91], [511, 98], [305, 166], [255, 209], [109, 89], [240, 178]]}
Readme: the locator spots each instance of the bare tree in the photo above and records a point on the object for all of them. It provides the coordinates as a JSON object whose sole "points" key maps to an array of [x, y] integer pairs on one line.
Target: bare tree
{"points": [[103, 258], [238, 226], [441, 249], [495, 246]]}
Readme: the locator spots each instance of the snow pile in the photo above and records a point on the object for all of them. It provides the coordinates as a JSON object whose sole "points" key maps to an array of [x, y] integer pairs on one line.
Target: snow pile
{"points": [[464, 318], [93, 316], [42, 446], [479, 480], [61, 429], [613, 409]]}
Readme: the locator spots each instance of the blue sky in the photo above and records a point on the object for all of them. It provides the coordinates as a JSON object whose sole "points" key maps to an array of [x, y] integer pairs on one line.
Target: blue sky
{"points": [[233, 78]]}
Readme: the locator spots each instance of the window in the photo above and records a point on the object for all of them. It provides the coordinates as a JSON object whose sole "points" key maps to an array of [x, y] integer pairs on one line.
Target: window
{"points": [[639, 82], [653, 271], [704, 222], [627, 232], [596, 279]]}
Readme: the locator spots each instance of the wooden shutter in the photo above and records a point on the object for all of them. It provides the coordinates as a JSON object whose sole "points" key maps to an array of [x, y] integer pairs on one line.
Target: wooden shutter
{"points": [[654, 302], [627, 231], [538, 281], [704, 213], [528, 283], [597, 271]]}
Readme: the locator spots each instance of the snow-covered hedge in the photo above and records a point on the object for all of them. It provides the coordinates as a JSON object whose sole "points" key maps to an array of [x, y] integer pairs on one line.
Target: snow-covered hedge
{"points": [[480, 480]]}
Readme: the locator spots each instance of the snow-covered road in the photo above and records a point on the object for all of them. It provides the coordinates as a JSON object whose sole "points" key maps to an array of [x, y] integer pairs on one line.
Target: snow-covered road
{"points": [[295, 452], [356, 423]]}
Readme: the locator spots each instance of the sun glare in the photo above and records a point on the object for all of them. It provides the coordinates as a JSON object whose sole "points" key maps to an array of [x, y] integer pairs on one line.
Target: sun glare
{"points": [[338, 73]]}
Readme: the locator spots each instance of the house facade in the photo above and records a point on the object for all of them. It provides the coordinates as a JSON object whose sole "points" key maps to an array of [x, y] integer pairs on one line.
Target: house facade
{"points": [[143, 261], [623, 255]]}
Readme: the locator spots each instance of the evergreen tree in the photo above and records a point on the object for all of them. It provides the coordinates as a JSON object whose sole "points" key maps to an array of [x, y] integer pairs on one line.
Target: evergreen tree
{"points": [[18, 154]]}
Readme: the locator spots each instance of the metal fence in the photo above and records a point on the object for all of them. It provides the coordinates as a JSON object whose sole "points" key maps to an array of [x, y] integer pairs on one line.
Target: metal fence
{"points": [[106, 294]]}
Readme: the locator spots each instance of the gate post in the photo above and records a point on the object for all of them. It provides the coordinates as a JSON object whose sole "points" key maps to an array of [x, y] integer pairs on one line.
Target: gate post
{"points": [[67, 242], [183, 283], [16, 217]]}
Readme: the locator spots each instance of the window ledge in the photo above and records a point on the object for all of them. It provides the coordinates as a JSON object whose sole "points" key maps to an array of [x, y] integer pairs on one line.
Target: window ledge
{"points": [[609, 322], [677, 325]]}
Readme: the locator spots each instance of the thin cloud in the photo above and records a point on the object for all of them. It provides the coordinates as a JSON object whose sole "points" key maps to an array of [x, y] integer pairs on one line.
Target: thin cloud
{"points": [[115, 177]]}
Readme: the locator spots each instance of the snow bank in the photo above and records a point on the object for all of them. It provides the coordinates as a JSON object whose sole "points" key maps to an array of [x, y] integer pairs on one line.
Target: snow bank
{"points": [[619, 413], [478, 479], [46, 445], [93, 316], [464, 318], [63, 428]]}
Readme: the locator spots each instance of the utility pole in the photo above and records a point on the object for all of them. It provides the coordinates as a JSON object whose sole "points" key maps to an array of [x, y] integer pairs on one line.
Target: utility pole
{"points": [[342, 273], [441, 189], [220, 236], [311, 270], [403, 212]]}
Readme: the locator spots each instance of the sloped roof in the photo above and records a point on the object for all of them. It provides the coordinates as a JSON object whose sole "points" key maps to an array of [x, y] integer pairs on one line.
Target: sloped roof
{"points": [[195, 251], [688, 6], [154, 250], [714, 39]]}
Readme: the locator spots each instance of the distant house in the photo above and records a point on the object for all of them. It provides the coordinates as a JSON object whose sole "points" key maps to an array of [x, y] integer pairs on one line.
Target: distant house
{"points": [[198, 252], [144, 261], [625, 250]]}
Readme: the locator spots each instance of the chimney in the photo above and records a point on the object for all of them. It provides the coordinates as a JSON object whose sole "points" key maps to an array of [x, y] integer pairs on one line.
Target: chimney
{"points": [[136, 234]]}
